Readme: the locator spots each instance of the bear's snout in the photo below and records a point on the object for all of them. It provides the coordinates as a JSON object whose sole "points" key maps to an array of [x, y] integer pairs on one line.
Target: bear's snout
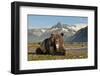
{"points": [[57, 46]]}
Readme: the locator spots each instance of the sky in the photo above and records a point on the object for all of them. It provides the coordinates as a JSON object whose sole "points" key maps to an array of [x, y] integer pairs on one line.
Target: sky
{"points": [[47, 21]]}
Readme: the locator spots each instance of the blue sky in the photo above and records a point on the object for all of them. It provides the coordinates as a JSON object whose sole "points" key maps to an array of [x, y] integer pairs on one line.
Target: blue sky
{"points": [[45, 21]]}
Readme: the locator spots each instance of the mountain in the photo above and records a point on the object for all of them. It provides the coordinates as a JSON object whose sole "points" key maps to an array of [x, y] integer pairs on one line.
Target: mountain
{"points": [[74, 27], [37, 35], [34, 35], [81, 35]]}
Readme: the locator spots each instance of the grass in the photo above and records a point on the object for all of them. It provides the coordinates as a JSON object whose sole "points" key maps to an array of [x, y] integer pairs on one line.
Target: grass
{"points": [[70, 54]]}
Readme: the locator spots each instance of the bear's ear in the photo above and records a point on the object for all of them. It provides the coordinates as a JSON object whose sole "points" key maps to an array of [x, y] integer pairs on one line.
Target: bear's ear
{"points": [[62, 34]]}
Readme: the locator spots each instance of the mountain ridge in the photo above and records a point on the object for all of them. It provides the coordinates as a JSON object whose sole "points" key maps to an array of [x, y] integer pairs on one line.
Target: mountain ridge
{"points": [[41, 33]]}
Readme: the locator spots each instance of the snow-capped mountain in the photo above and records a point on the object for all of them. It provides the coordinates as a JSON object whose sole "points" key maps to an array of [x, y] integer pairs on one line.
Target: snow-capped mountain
{"points": [[35, 35], [74, 27], [37, 32]]}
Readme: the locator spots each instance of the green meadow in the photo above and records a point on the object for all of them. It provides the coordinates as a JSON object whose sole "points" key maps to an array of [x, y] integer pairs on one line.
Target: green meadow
{"points": [[74, 51]]}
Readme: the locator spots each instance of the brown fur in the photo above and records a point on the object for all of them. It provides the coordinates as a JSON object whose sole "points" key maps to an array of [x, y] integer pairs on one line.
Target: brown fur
{"points": [[53, 45]]}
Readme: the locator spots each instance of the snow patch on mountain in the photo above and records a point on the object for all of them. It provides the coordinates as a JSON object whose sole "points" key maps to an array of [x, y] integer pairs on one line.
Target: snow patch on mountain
{"points": [[43, 30], [63, 29], [77, 27]]}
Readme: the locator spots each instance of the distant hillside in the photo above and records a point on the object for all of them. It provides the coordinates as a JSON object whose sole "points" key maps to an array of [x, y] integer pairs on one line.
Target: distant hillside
{"points": [[81, 35]]}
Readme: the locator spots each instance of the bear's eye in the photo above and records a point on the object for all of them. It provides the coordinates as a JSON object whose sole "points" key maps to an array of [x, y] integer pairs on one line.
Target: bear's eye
{"points": [[52, 39]]}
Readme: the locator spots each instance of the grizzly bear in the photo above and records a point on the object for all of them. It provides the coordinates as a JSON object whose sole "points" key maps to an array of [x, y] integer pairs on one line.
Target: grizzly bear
{"points": [[54, 45]]}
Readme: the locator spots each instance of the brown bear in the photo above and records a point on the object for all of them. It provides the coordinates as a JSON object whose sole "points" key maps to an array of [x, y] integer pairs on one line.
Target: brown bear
{"points": [[53, 45]]}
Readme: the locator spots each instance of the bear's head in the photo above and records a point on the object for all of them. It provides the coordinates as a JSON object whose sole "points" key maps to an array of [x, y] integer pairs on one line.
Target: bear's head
{"points": [[57, 40]]}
